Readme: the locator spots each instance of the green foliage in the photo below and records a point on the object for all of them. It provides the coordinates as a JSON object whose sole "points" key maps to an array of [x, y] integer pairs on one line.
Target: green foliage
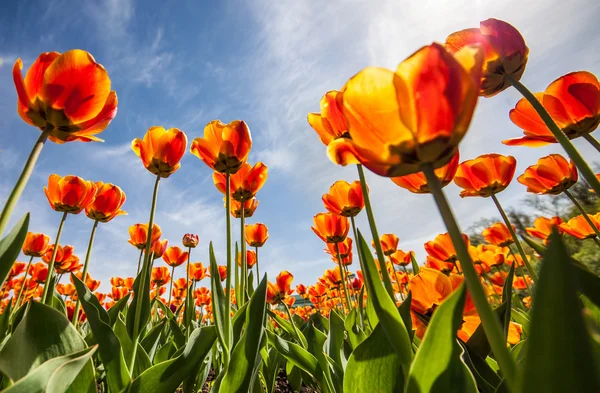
{"points": [[10, 246]]}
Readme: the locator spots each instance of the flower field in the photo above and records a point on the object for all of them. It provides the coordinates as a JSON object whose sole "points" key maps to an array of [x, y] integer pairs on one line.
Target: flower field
{"points": [[512, 308]]}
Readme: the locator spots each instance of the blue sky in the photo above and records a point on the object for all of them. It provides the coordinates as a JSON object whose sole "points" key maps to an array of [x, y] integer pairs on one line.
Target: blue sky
{"points": [[182, 64]]}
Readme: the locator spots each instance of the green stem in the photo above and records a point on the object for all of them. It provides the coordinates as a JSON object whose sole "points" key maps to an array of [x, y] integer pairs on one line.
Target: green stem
{"points": [[46, 299], [18, 301], [15, 194], [560, 136], [145, 275], [489, 320], [583, 212], [362, 268], [387, 281], [257, 273], [171, 286], [85, 269], [592, 141], [227, 321], [513, 234], [289, 314], [189, 300], [343, 276], [244, 267], [522, 273], [139, 262]]}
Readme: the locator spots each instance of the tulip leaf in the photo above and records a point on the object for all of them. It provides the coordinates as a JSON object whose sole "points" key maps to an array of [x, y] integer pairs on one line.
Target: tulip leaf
{"points": [[246, 353], [415, 264], [389, 318], [5, 320], [487, 379], [43, 334], [142, 361], [404, 310], [166, 377], [356, 334], [289, 328], [559, 349], [295, 354], [374, 366], [438, 364], [178, 336], [10, 247], [237, 323], [507, 298], [54, 375], [316, 344], [109, 347], [478, 342], [336, 338], [113, 312], [219, 300], [141, 301], [151, 339]]}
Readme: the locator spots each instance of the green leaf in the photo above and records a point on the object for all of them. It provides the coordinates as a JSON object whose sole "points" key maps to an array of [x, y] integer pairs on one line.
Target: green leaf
{"points": [[141, 301], [237, 323], [438, 366], [559, 348], [316, 343], [4, 320], [478, 342], [487, 379], [113, 312], [336, 338], [55, 375], [386, 310], [150, 340], [142, 361], [507, 298], [356, 334], [178, 336], [289, 328], [166, 377], [43, 334], [415, 264], [404, 310], [219, 301], [165, 352], [10, 247], [374, 366], [271, 366], [295, 354], [246, 353], [109, 348]]}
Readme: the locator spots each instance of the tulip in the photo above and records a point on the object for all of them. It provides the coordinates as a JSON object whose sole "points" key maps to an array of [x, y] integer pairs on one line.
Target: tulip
{"points": [[485, 175], [442, 247], [197, 271], [402, 258], [39, 272], [249, 207], [256, 234], [498, 235], [245, 183], [397, 123], [107, 202], [161, 150], [330, 227], [189, 240], [222, 271], [160, 275], [344, 199], [64, 259], [428, 288], [581, 228], [389, 243], [505, 53], [225, 147], [35, 244], [330, 124], [416, 182], [552, 175], [572, 101], [250, 258], [175, 256], [117, 281], [281, 288], [69, 194], [138, 234], [542, 227]]}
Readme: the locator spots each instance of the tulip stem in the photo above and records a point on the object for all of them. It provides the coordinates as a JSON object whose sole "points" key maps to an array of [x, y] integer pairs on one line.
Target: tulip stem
{"points": [[244, 267], [583, 213], [257, 273], [227, 321], [139, 262], [145, 275], [189, 300], [558, 134], [592, 141], [15, 194], [358, 246], [489, 319], [85, 269], [46, 299], [171, 286], [343, 276], [387, 281], [16, 306], [515, 238]]}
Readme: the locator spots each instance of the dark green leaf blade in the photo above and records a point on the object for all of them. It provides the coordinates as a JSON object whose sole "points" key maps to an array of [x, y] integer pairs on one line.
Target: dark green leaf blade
{"points": [[10, 246]]}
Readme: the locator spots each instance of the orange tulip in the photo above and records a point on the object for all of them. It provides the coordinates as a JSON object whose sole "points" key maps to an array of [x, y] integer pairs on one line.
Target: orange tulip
{"points": [[344, 199], [160, 275], [552, 175], [67, 94], [225, 147], [330, 227], [190, 240], [429, 288], [70, 194], [35, 244], [504, 50], [175, 256], [250, 258], [402, 258], [578, 226], [301, 290], [389, 243], [117, 282], [161, 150], [498, 235], [573, 102], [317, 291], [333, 277], [491, 255], [344, 247], [39, 272], [330, 124], [399, 121], [65, 262], [416, 182], [197, 271], [442, 248], [485, 175], [249, 207], [245, 183], [158, 248], [16, 269], [89, 281], [117, 293], [222, 272], [256, 234], [522, 283], [542, 227], [278, 291], [128, 283], [138, 234], [107, 202]]}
